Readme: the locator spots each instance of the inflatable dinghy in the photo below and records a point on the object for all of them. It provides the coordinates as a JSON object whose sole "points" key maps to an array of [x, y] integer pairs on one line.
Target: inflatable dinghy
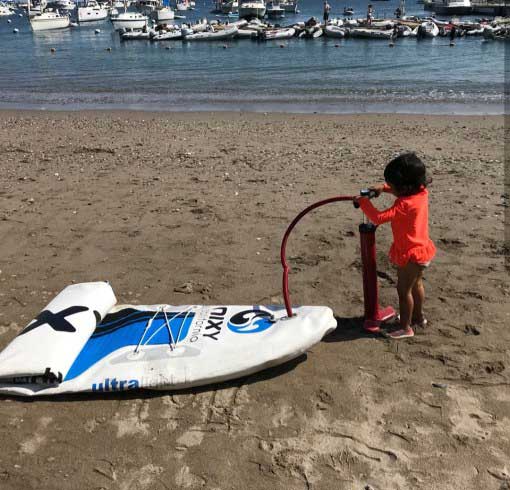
{"points": [[82, 341]]}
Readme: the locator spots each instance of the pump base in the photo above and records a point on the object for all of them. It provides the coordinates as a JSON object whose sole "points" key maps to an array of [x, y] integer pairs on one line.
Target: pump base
{"points": [[373, 325]]}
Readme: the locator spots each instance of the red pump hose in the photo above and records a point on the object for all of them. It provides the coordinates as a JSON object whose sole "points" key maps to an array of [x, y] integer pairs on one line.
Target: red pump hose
{"points": [[286, 295]]}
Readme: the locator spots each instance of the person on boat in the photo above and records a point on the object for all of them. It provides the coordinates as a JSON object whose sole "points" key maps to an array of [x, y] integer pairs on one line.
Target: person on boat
{"points": [[327, 10], [398, 13], [412, 249], [370, 14]]}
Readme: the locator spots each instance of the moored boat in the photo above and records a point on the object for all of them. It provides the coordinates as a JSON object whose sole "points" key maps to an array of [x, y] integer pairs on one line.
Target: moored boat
{"points": [[249, 9], [147, 7], [247, 34], [49, 21], [163, 15], [172, 35], [229, 7], [290, 6], [222, 35], [135, 34], [334, 31], [364, 33], [62, 5], [129, 20], [92, 12], [428, 29], [274, 10], [5, 10], [272, 34]]}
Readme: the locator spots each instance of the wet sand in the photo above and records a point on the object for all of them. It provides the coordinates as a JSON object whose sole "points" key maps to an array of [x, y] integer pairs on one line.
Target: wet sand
{"points": [[191, 208]]}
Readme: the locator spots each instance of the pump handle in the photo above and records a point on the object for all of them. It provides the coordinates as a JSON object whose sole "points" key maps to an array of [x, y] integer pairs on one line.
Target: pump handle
{"points": [[370, 193]]}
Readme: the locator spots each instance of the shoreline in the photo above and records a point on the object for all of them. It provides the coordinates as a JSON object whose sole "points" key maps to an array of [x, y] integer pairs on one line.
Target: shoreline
{"points": [[140, 113], [417, 109]]}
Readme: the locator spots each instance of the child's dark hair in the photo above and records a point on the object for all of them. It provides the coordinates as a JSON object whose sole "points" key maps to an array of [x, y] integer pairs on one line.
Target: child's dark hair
{"points": [[407, 173]]}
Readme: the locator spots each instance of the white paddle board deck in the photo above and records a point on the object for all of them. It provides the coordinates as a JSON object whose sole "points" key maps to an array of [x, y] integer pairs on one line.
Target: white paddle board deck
{"points": [[82, 342]]}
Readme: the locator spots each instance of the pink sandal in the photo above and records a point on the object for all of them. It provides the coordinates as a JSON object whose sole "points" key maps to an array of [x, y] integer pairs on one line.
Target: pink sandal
{"points": [[402, 333]]}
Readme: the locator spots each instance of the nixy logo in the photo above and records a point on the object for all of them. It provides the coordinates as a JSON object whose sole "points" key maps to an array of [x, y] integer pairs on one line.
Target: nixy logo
{"points": [[57, 321], [250, 321]]}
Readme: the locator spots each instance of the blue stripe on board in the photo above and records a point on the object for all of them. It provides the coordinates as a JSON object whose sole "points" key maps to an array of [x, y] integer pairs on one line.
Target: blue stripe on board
{"points": [[128, 333]]}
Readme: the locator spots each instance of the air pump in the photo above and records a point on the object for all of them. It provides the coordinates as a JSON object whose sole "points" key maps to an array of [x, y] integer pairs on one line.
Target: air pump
{"points": [[374, 314]]}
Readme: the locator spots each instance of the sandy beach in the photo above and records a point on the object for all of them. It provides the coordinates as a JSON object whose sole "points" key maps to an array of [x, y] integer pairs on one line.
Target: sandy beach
{"points": [[191, 208]]}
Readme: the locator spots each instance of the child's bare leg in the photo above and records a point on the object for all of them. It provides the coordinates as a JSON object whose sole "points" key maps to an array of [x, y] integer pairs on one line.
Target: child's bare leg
{"points": [[407, 277], [418, 293]]}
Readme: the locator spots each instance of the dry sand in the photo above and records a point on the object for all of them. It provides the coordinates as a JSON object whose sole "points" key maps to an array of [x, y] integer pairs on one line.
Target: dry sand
{"points": [[155, 202]]}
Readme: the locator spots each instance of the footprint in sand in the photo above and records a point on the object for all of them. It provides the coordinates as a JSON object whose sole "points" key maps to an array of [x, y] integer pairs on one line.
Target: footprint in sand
{"points": [[191, 438], [142, 478], [466, 414], [130, 419], [186, 479], [32, 444]]}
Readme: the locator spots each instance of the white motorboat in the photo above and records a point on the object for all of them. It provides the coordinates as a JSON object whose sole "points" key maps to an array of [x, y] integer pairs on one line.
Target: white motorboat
{"points": [[273, 34], [229, 7], [163, 15], [450, 7], [334, 31], [146, 7], [62, 5], [290, 6], [46, 21], [428, 29], [5, 10], [370, 33], [274, 10], [249, 9], [129, 20], [222, 35], [92, 12]]}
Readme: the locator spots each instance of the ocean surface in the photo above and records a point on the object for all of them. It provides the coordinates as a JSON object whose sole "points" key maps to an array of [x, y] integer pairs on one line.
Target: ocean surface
{"points": [[321, 75]]}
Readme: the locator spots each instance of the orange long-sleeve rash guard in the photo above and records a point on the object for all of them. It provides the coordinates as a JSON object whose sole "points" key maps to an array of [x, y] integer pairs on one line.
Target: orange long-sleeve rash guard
{"points": [[409, 217]]}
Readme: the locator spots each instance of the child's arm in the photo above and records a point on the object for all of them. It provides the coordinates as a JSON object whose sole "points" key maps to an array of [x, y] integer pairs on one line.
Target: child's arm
{"points": [[374, 215], [379, 188]]}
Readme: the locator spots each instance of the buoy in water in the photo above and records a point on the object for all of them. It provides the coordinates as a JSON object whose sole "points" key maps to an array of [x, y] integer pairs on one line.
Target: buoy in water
{"points": [[108, 49], [15, 30], [337, 45], [53, 50], [452, 44], [20, 15], [391, 45], [9, 21], [97, 31], [225, 46], [168, 48]]}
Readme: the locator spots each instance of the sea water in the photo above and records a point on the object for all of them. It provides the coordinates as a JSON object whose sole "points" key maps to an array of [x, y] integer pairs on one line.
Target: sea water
{"points": [[296, 75]]}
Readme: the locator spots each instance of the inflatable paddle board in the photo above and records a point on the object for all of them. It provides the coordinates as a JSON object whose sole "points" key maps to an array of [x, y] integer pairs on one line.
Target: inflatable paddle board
{"points": [[83, 342]]}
